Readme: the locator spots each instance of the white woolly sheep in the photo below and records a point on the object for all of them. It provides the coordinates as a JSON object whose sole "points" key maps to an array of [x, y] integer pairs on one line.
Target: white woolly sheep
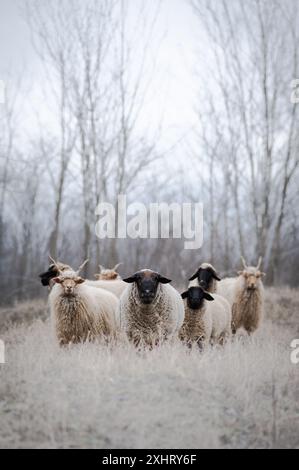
{"points": [[206, 277], [245, 294], [150, 310], [205, 321], [80, 312], [107, 274]]}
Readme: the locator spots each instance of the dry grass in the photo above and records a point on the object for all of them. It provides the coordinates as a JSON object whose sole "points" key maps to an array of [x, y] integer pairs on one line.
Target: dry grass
{"points": [[282, 307], [24, 312], [243, 395]]}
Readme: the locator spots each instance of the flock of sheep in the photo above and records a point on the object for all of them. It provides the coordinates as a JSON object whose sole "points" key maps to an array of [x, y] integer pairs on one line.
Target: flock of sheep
{"points": [[148, 310]]}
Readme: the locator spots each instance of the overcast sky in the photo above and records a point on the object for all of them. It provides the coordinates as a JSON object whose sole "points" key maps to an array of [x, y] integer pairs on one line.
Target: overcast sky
{"points": [[173, 90]]}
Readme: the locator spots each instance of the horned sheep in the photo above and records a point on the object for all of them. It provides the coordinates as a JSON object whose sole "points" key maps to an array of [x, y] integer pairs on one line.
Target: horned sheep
{"points": [[54, 268], [245, 294], [80, 312], [107, 274], [150, 310]]}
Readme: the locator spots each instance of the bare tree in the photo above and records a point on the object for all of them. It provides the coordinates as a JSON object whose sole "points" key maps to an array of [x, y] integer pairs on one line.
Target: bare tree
{"points": [[254, 46], [51, 35], [8, 135], [133, 75]]}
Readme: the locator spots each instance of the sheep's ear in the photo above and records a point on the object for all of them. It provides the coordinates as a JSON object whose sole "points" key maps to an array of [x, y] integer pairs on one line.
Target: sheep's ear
{"points": [[80, 280], [184, 294], [163, 279], [194, 275], [216, 276], [131, 279], [207, 296], [240, 273], [57, 280], [97, 276], [263, 274]]}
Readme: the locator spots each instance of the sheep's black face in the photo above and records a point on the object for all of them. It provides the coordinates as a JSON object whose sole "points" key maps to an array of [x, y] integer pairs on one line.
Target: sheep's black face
{"points": [[195, 297], [48, 275], [53, 271], [205, 277], [147, 283]]}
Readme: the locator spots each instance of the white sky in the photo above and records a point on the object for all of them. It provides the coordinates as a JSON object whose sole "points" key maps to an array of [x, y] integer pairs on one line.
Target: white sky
{"points": [[173, 90]]}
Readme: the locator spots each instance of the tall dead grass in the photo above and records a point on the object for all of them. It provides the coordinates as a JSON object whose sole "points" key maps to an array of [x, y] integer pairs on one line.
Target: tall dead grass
{"points": [[242, 395]]}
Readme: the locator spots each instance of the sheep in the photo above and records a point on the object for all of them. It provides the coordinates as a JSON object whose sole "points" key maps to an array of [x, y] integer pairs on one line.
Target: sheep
{"points": [[206, 277], [108, 274], [116, 286], [245, 294], [205, 322], [110, 280], [79, 312], [150, 310], [197, 326]]}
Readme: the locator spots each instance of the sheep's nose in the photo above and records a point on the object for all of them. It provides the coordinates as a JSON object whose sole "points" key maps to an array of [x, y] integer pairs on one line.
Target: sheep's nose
{"points": [[146, 293]]}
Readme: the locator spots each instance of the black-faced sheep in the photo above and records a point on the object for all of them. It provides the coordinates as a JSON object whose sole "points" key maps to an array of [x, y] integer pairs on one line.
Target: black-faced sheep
{"points": [[197, 326], [206, 277], [150, 310], [205, 321], [245, 294]]}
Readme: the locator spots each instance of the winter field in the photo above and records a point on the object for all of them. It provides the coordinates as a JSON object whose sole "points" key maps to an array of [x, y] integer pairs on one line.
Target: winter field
{"points": [[91, 396]]}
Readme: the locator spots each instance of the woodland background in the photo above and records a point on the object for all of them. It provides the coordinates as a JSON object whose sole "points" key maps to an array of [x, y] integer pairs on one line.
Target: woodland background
{"points": [[83, 121]]}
